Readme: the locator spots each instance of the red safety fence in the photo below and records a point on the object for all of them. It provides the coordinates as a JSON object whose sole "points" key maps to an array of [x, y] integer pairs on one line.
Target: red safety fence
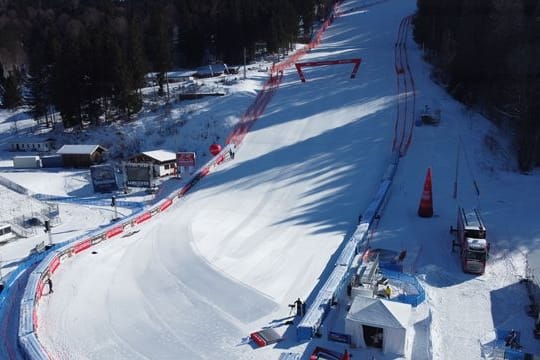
{"points": [[254, 111], [82, 246]]}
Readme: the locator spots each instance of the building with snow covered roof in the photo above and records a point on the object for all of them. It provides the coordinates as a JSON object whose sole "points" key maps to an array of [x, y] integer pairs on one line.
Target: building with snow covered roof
{"points": [[163, 161], [80, 156]]}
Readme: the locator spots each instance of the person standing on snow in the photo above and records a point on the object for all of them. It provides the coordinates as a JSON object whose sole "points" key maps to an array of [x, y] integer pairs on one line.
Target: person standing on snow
{"points": [[299, 307], [49, 284], [387, 291]]}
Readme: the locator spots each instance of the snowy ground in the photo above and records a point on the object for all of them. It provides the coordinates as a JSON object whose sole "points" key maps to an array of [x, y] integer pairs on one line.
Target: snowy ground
{"points": [[258, 233]]}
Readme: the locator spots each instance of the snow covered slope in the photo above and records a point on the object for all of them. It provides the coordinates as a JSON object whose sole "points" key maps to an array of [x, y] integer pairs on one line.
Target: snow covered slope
{"points": [[259, 232]]}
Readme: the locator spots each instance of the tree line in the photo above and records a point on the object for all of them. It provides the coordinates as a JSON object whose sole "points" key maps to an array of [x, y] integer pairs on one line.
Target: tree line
{"points": [[487, 54], [86, 59]]}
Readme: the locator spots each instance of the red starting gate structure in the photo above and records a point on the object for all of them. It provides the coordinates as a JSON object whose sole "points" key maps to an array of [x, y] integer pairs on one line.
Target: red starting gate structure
{"points": [[356, 63]]}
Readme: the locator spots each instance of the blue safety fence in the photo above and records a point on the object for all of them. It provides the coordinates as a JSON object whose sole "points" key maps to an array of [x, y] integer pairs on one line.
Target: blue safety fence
{"points": [[510, 353], [11, 279], [412, 291], [356, 243], [89, 201]]}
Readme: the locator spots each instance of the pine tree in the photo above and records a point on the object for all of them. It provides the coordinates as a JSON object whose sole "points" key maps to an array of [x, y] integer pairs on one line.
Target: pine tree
{"points": [[10, 91]]}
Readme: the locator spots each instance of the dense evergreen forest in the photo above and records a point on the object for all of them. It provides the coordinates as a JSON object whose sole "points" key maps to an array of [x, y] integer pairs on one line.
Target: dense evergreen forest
{"points": [[86, 58], [487, 54]]}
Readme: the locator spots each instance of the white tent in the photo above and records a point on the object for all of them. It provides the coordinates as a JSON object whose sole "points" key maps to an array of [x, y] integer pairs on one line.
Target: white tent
{"points": [[378, 323]]}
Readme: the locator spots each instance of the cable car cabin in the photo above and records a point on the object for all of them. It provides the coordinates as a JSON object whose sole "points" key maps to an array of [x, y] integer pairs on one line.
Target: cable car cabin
{"points": [[471, 237]]}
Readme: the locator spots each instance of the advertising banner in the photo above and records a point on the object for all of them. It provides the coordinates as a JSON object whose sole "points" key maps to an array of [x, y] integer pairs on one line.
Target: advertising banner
{"points": [[185, 159], [54, 265], [82, 246], [115, 231], [138, 175], [103, 178]]}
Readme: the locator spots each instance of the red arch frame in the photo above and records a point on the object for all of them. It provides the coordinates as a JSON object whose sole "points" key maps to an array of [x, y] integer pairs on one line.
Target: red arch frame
{"points": [[356, 63]]}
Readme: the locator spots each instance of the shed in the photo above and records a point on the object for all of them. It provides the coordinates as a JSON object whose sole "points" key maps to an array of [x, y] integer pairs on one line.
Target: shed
{"points": [[378, 323], [82, 155], [32, 144], [51, 161], [26, 162], [164, 161]]}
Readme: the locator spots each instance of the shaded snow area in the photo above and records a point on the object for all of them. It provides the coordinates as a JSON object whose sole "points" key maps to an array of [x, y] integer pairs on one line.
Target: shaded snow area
{"points": [[266, 228]]}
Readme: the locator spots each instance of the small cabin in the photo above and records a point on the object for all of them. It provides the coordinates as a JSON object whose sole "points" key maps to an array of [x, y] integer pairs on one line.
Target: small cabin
{"points": [[26, 162], [163, 161], [82, 156]]}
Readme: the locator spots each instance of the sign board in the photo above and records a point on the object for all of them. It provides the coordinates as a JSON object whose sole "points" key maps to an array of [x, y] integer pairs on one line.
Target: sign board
{"points": [[339, 337], [103, 178], [185, 159], [138, 174]]}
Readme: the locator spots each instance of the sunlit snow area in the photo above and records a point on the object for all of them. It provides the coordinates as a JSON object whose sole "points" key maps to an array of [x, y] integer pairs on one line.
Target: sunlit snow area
{"points": [[266, 227]]}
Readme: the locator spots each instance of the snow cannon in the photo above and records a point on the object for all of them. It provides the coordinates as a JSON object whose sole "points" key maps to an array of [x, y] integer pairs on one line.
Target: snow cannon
{"points": [[215, 149]]}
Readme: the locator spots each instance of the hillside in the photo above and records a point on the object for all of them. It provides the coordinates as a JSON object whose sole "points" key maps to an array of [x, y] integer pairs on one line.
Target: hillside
{"points": [[266, 228]]}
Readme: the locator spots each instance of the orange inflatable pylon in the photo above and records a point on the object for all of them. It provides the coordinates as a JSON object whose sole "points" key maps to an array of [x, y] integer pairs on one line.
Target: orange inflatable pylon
{"points": [[346, 355], [426, 202]]}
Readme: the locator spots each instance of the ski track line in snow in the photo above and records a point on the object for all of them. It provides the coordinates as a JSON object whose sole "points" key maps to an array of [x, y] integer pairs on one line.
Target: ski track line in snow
{"points": [[196, 255], [406, 92], [128, 350], [263, 203], [126, 345], [195, 297]]}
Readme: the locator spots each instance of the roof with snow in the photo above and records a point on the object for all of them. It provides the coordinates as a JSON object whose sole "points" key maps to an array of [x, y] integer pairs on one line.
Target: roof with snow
{"points": [[211, 69], [380, 312], [160, 155], [79, 149], [30, 140], [173, 74]]}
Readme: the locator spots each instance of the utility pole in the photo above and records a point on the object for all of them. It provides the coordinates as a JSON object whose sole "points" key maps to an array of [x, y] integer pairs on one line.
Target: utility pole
{"points": [[113, 204], [457, 169], [245, 61], [1, 277], [47, 229]]}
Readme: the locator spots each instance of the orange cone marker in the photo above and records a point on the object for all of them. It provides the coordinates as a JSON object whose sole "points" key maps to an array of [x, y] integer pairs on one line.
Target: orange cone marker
{"points": [[426, 202]]}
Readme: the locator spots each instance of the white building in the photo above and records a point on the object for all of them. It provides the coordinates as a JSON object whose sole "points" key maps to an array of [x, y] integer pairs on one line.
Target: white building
{"points": [[378, 323], [32, 144], [163, 161]]}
